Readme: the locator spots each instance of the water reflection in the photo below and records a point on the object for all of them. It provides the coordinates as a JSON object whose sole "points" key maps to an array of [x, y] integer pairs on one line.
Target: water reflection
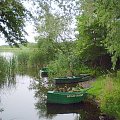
{"points": [[18, 102], [82, 110], [41, 87]]}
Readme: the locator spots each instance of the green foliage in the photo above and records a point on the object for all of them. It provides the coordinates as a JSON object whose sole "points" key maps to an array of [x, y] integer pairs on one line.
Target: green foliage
{"points": [[47, 49], [107, 91], [111, 97], [86, 70], [37, 59], [59, 67], [108, 13], [3, 68], [7, 70], [11, 70], [49, 28], [68, 66], [98, 26], [98, 88], [22, 58], [12, 64], [50, 25], [12, 21], [89, 43]]}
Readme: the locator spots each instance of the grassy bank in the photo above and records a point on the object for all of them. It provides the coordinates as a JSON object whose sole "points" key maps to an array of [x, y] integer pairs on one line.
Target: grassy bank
{"points": [[107, 92]]}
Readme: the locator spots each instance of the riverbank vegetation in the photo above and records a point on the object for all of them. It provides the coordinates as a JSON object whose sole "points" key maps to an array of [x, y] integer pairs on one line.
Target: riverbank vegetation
{"points": [[94, 50], [107, 92], [3, 69]]}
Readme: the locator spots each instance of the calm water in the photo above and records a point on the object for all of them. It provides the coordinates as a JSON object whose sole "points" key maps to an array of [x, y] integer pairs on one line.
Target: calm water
{"points": [[19, 103], [7, 55], [23, 97]]}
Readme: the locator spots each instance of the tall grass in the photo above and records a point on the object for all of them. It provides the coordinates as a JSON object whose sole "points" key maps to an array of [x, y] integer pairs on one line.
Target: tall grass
{"points": [[29, 62], [12, 69], [7, 72], [22, 58], [3, 68], [37, 59], [107, 92]]}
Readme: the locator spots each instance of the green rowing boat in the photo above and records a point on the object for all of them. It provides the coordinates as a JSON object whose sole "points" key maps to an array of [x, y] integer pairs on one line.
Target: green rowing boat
{"points": [[73, 79], [66, 97], [44, 72]]}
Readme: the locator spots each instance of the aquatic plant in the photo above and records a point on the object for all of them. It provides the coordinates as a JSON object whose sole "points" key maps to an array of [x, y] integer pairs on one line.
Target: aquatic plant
{"points": [[3, 68], [22, 58]]}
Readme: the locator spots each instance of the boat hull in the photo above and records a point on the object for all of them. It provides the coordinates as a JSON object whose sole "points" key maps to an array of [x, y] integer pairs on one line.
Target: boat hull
{"points": [[74, 79], [43, 74], [65, 97]]}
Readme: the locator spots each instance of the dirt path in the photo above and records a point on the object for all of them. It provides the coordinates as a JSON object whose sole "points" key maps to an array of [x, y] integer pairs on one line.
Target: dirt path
{"points": [[87, 84]]}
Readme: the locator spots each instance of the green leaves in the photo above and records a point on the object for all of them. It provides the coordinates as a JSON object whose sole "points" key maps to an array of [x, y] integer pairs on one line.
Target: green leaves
{"points": [[99, 25], [12, 21]]}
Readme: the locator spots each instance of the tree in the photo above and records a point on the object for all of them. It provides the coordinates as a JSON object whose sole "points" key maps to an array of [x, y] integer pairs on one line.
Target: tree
{"points": [[99, 23], [12, 21], [108, 13], [50, 28]]}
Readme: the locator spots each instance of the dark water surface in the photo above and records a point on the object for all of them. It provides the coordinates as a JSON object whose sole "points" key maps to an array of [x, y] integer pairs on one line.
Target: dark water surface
{"points": [[23, 97]]}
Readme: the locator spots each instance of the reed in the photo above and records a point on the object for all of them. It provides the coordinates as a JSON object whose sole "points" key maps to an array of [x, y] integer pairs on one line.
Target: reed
{"points": [[36, 59], [22, 58], [3, 68], [12, 68]]}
